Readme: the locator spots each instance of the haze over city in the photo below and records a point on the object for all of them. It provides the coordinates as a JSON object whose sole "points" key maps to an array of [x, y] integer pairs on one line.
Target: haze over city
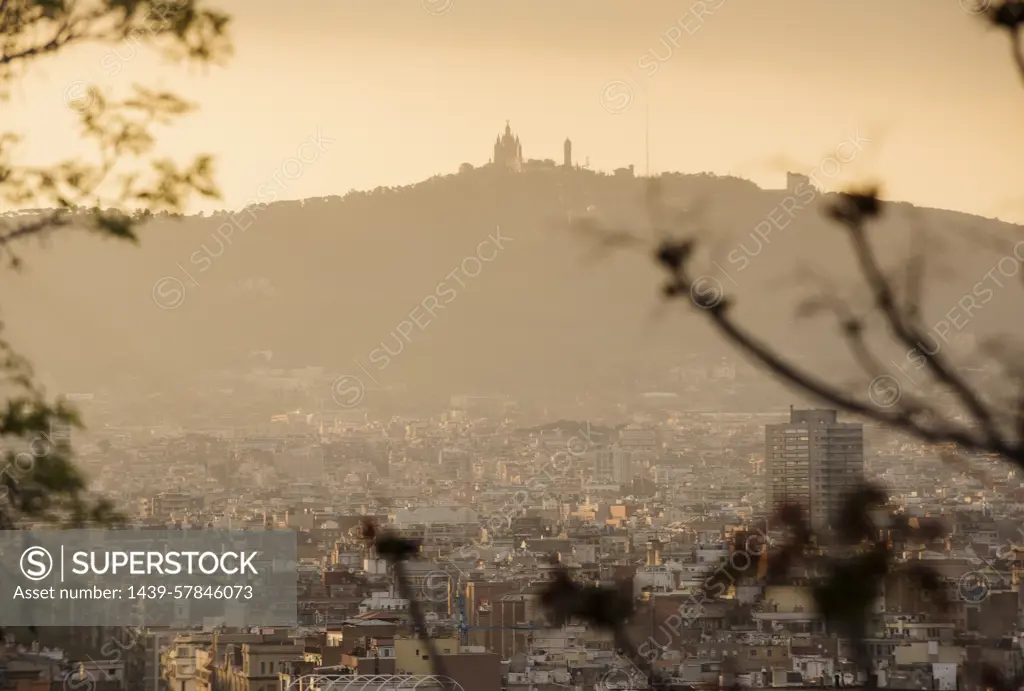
{"points": [[472, 345]]}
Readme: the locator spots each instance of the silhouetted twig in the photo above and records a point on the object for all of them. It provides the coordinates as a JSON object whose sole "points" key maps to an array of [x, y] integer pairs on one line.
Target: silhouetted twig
{"points": [[987, 430], [396, 550]]}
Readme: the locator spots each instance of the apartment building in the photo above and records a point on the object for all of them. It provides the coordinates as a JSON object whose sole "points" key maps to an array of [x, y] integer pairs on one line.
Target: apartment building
{"points": [[813, 461]]}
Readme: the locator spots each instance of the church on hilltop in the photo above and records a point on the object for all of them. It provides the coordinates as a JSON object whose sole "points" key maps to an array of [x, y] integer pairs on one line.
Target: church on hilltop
{"points": [[508, 151]]}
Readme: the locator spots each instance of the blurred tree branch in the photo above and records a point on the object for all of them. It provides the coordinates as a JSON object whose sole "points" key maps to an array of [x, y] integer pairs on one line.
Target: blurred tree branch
{"points": [[991, 426], [846, 569]]}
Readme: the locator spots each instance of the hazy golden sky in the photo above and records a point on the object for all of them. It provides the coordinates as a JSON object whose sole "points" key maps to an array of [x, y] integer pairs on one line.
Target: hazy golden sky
{"points": [[408, 89]]}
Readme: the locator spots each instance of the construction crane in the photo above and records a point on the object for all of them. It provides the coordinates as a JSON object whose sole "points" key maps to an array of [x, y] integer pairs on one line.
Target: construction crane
{"points": [[465, 628]]}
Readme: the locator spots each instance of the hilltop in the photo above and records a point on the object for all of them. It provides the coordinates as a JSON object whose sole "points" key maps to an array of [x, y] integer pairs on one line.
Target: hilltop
{"points": [[327, 281]]}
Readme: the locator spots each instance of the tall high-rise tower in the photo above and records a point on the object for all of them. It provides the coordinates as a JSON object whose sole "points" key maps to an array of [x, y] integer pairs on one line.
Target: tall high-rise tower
{"points": [[567, 153], [813, 461], [613, 464]]}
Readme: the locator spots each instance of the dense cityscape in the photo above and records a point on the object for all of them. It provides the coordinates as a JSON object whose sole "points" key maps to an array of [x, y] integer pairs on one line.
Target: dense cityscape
{"points": [[463, 345], [652, 500]]}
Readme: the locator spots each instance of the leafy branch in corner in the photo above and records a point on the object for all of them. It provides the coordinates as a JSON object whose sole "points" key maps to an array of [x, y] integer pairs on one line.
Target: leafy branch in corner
{"points": [[122, 186]]}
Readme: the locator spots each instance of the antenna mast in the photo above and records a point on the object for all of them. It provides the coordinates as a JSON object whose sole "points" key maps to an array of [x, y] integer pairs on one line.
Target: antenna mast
{"points": [[647, 136]]}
